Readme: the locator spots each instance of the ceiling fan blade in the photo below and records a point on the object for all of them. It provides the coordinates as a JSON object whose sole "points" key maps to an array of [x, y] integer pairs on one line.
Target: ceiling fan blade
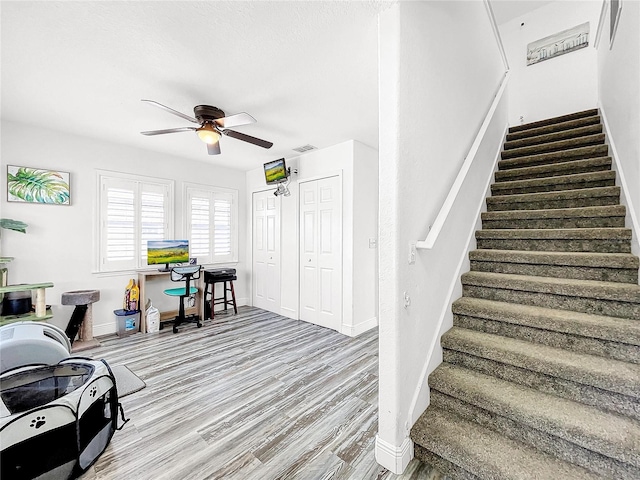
{"points": [[213, 148], [171, 110], [235, 120], [247, 138], [169, 130]]}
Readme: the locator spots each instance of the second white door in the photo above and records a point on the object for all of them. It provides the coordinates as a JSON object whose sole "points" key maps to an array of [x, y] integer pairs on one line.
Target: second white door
{"points": [[321, 252], [266, 251]]}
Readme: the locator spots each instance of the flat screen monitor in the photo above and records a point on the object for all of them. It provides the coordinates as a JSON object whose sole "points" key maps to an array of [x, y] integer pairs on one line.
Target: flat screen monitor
{"points": [[167, 251], [275, 171]]}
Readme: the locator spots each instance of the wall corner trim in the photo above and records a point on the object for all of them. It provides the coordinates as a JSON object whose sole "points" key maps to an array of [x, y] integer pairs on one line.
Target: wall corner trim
{"points": [[394, 458]]}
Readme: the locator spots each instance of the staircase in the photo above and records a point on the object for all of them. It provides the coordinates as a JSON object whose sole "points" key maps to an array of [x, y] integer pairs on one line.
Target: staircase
{"points": [[541, 372]]}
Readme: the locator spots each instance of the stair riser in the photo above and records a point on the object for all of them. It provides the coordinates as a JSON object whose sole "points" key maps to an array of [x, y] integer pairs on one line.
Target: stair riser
{"points": [[443, 466], [554, 146], [601, 274], [497, 189], [553, 137], [539, 223], [549, 129], [555, 120], [503, 204], [557, 245], [555, 157], [601, 164], [575, 343], [551, 444], [612, 308]]}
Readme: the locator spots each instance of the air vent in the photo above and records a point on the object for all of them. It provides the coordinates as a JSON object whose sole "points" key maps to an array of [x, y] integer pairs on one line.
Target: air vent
{"points": [[305, 148]]}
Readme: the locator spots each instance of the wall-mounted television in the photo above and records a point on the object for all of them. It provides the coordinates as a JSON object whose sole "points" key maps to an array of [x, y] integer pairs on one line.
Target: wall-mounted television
{"points": [[167, 251], [276, 171]]}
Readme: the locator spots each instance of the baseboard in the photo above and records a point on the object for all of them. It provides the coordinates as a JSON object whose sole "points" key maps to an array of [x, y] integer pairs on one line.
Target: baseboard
{"points": [[104, 329], [355, 330], [395, 459]]}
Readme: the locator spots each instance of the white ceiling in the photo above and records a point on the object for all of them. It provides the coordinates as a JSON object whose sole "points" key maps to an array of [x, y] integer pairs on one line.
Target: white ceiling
{"points": [[505, 10], [307, 71]]}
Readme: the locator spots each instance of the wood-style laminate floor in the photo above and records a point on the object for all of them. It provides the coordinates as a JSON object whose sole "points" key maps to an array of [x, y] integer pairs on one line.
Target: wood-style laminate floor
{"points": [[248, 396]]}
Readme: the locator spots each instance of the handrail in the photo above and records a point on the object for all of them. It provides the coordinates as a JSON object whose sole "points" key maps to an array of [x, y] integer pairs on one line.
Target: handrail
{"points": [[439, 222], [496, 33]]}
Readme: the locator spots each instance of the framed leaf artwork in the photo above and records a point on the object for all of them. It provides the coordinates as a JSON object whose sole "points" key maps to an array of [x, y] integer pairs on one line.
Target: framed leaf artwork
{"points": [[34, 185]]}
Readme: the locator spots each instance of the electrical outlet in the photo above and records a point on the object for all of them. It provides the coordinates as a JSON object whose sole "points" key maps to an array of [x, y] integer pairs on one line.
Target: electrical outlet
{"points": [[373, 243], [407, 300], [412, 253]]}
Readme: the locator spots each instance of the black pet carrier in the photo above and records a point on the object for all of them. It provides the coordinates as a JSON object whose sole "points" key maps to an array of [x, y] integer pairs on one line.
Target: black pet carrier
{"points": [[56, 420]]}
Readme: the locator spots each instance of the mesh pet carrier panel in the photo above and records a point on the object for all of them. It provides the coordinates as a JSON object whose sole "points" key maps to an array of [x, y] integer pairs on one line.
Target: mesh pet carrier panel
{"points": [[56, 420]]}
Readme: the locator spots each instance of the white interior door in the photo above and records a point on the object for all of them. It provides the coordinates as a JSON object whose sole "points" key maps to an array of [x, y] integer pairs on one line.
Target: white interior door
{"points": [[266, 251], [321, 252]]}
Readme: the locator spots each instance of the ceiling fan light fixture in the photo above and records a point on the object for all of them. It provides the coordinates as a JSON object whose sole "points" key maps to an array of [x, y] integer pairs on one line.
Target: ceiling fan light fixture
{"points": [[208, 134]]}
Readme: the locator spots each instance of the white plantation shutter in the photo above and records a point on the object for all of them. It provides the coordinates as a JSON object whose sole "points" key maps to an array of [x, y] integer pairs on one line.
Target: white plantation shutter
{"points": [[222, 224], [212, 223], [132, 211]]}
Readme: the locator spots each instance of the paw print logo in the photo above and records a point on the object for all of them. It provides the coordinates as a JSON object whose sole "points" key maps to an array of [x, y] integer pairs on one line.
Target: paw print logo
{"points": [[93, 392], [38, 422]]}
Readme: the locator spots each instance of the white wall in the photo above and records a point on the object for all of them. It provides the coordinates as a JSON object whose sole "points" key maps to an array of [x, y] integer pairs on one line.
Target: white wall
{"points": [[619, 88], [358, 166], [557, 86], [59, 246], [440, 69]]}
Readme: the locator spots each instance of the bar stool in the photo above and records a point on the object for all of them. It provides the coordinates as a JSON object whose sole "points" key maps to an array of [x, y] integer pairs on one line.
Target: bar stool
{"points": [[219, 275]]}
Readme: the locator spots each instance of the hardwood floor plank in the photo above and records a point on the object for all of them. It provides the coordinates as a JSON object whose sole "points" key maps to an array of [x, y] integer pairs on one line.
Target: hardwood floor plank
{"points": [[247, 396]]}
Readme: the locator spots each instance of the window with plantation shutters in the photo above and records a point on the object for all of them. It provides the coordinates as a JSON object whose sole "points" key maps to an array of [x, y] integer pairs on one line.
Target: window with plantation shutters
{"points": [[212, 223], [133, 209]]}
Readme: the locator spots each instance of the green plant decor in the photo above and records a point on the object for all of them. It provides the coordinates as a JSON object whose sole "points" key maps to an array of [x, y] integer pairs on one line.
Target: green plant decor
{"points": [[16, 225], [42, 186]]}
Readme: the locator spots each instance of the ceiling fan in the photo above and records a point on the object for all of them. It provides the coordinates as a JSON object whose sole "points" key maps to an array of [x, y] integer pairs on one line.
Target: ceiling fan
{"points": [[213, 124]]}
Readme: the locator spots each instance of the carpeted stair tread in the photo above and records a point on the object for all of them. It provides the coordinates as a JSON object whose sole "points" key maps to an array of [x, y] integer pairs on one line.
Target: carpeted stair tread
{"points": [[612, 329], [586, 426], [556, 264], [604, 373], [623, 292], [554, 120], [583, 197], [571, 143], [596, 164], [554, 137], [582, 259], [554, 157], [596, 240], [486, 453], [555, 183], [579, 217], [556, 127]]}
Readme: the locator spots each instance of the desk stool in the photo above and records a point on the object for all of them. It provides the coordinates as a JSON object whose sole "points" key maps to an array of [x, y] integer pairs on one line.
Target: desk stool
{"points": [[211, 277]]}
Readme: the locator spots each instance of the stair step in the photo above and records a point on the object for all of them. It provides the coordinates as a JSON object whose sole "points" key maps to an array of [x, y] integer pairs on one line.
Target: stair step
{"points": [[588, 370], [581, 217], [587, 296], [554, 137], [554, 120], [556, 127], [582, 197], [609, 337], [554, 157], [556, 183], [554, 419], [571, 143], [463, 447], [604, 267], [605, 443], [601, 240], [597, 164]]}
